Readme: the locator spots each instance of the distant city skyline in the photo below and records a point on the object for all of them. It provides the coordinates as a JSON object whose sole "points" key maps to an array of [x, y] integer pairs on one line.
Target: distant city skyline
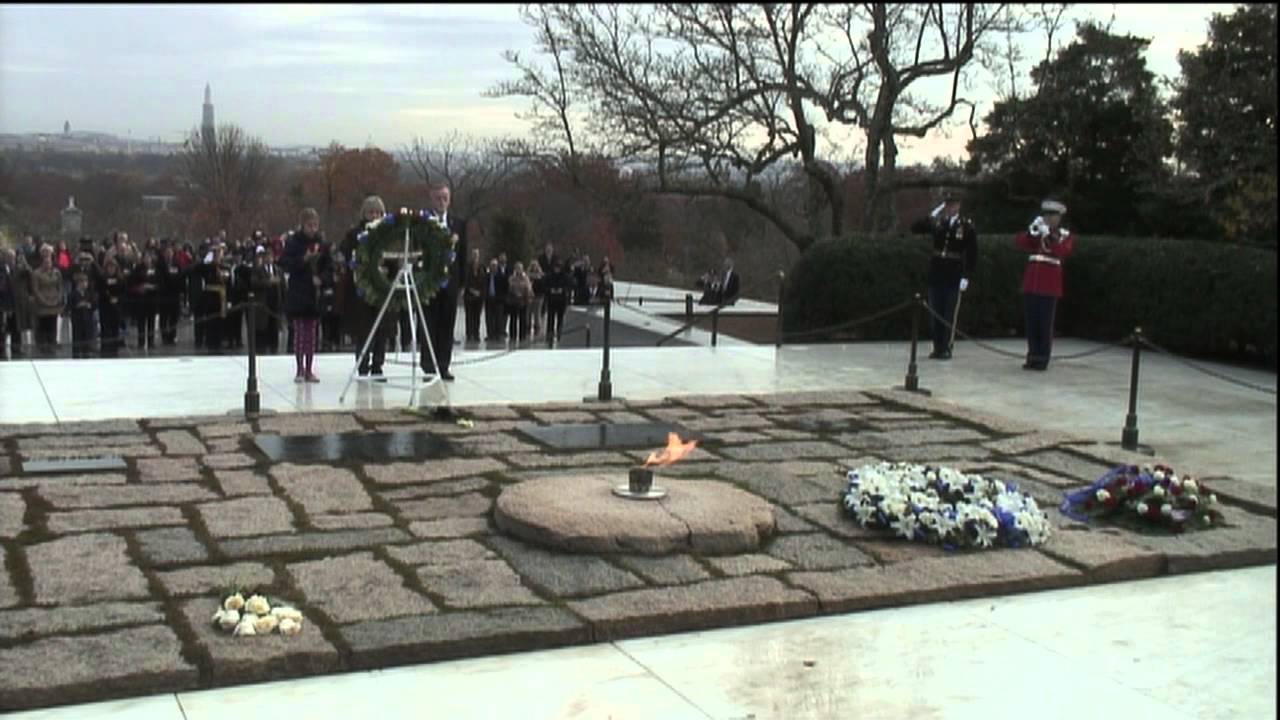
{"points": [[306, 75]]}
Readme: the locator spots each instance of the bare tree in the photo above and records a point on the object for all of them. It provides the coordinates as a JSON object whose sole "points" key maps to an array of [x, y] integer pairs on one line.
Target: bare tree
{"points": [[228, 175], [474, 169]]}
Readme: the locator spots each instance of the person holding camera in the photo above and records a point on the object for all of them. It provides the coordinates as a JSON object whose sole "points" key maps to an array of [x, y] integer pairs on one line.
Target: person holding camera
{"points": [[1048, 243]]}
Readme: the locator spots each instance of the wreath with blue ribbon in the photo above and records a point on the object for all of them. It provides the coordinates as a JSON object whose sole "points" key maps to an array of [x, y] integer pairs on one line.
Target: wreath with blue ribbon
{"points": [[386, 234]]}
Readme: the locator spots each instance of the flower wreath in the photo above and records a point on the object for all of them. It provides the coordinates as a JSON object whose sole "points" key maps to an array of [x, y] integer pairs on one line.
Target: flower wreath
{"points": [[1148, 497], [386, 234], [943, 506]]}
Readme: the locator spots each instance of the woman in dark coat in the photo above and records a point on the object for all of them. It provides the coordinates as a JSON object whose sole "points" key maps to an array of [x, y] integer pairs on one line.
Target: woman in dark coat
{"points": [[111, 300], [358, 315], [299, 259]]}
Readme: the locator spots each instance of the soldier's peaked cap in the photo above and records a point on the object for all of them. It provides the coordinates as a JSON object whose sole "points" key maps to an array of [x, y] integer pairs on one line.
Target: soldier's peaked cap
{"points": [[1053, 206]]}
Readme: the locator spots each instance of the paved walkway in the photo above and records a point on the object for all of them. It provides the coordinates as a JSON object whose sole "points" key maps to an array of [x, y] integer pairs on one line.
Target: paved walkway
{"points": [[145, 549]]}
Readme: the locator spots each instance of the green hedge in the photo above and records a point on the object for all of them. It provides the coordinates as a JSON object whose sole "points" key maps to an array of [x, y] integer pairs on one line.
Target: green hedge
{"points": [[1197, 298]]}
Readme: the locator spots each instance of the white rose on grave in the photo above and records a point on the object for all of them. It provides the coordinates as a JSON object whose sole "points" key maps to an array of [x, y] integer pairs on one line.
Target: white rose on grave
{"points": [[1213, 499], [1142, 508], [1166, 510], [1158, 475], [1190, 485], [1103, 495], [258, 605], [233, 602], [1157, 491], [290, 627], [284, 612], [264, 624], [245, 627], [230, 618]]}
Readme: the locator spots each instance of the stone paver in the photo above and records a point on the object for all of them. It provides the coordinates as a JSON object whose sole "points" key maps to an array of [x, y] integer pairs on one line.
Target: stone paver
{"points": [[435, 489], [561, 574], [79, 496], [320, 490], [33, 623], [246, 516], [8, 593], [227, 460], [242, 482], [450, 527], [82, 520], [748, 564], [411, 473], [12, 510], [36, 481], [232, 660], [476, 584], [59, 669], [180, 442], [817, 552], [212, 579], [84, 568], [354, 521], [168, 469], [310, 542], [666, 570], [446, 552], [1104, 555], [170, 546], [352, 588]]}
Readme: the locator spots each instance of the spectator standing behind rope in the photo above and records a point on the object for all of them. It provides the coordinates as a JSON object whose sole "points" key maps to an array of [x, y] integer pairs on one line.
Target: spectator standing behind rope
{"points": [[559, 286], [266, 280], [144, 288], [300, 258], [538, 279], [169, 297], [1042, 280], [473, 296], [111, 293], [46, 299], [519, 298], [83, 301], [955, 255]]}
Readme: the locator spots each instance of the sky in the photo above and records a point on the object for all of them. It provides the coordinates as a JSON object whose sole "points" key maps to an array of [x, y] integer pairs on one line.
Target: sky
{"points": [[357, 74]]}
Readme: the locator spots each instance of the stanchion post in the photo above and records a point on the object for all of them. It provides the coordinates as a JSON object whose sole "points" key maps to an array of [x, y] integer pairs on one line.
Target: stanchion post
{"points": [[715, 324], [605, 391], [912, 381], [688, 307], [782, 282], [1129, 436], [252, 401]]}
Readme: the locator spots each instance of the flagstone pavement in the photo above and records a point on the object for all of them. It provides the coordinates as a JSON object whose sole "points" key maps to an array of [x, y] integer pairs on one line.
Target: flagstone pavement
{"points": [[108, 580]]}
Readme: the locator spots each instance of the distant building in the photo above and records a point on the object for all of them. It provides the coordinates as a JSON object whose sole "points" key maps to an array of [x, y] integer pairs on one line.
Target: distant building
{"points": [[207, 131]]}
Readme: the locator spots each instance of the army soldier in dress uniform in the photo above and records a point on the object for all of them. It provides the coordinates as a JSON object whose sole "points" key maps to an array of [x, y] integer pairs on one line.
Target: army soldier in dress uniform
{"points": [[955, 254], [1048, 244]]}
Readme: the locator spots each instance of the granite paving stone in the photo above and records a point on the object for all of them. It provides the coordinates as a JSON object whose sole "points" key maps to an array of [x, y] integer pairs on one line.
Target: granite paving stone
{"points": [[322, 490], [431, 638], [353, 521], [930, 579], [227, 461], [748, 564], [356, 587], [168, 469], [170, 546], [93, 442], [1253, 497], [81, 496], [1104, 554], [31, 623], [213, 579], [84, 568], [308, 424], [450, 527], [225, 445], [803, 399], [786, 521], [465, 505], [490, 412], [888, 550], [715, 402], [8, 593], [223, 429], [447, 469], [786, 434], [246, 516], [180, 442], [563, 574], [93, 451], [59, 670], [1084, 470], [577, 460], [440, 553], [232, 660], [664, 570], [713, 603], [242, 482], [830, 517], [476, 584], [435, 489], [933, 453], [304, 542], [1248, 539], [727, 422], [736, 437], [776, 483], [495, 444], [12, 510], [119, 518], [786, 451], [817, 551]]}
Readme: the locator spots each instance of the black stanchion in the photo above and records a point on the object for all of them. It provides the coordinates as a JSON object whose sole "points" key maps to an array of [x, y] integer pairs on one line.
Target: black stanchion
{"points": [[715, 324], [782, 281], [604, 391], [252, 401], [1129, 436], [912, 381], [688, 307]]}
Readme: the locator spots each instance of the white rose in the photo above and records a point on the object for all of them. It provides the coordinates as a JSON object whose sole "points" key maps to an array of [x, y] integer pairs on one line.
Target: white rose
{"points": [[1190, 485], [1158, 475], [284, 612], [245, 627], [1157, 491], [1166, 510], [1213, 499], [258, 605], [1173, 480], [289, 627], [1142, 508], [265, 624], [1103, 495], [233, 602], [230, 618]]}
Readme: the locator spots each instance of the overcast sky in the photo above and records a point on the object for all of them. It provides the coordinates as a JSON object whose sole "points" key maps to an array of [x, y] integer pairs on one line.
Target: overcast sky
{"points": [[309, 74]]}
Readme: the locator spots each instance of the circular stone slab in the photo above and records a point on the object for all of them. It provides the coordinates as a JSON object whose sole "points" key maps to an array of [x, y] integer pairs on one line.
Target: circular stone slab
{"points": [[580, 513]]}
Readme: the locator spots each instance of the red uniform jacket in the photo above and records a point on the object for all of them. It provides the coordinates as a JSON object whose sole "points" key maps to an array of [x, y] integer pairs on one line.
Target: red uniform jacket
{"points": [[1043, 275]]}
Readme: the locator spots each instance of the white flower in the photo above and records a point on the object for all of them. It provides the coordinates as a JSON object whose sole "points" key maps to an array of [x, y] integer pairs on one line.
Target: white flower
{"points": [[230, 618], [284, 612], [865, 513], [1158, 475], [1103, 495], [290, 627], [1206, 519], [233, 602], [264, 624], [257, 605], [1142, 508], [1189, 485], [1174, 481], [1166, 510], [1213, 499], [245, 627], [986, 535], [1157, 491], [906, 526]]}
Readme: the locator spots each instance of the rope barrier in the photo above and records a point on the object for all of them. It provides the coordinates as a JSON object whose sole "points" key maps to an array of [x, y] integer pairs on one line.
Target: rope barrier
{"points": [[851, 323], [1125, 342], [1212, 373]]}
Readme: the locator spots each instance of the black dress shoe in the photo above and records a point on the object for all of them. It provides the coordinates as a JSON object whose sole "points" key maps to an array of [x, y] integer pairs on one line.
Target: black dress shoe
{"points": [[447, 376]]}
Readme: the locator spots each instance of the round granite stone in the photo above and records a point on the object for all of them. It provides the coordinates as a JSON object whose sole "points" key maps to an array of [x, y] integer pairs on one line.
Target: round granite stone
{"points": [[580, 513]]}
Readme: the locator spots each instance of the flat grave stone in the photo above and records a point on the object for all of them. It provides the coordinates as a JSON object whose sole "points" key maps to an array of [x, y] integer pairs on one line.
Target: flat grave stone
{"points": [[73, 465], [595, 436], [359, 447]]}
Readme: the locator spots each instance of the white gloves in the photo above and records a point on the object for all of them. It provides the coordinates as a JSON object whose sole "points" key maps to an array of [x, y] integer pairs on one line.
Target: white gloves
{"points": [[1039, 227], [964, 284], [937, 210]]}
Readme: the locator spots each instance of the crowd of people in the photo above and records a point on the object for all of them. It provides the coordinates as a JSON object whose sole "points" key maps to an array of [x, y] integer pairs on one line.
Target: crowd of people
{"points": [[109, 289]]}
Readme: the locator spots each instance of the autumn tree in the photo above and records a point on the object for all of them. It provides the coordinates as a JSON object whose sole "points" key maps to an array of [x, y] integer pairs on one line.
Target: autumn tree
{"points": [[1226, 104], [342, 178], [226, 178], [475, 169]]}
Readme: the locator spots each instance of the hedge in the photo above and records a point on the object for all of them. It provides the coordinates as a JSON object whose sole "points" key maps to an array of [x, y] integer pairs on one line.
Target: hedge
{"points": [[1196, 298]]}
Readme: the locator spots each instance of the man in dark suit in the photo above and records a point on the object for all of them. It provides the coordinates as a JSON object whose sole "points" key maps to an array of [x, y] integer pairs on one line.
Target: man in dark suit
{"points": [[729, 282], [442, 310]]}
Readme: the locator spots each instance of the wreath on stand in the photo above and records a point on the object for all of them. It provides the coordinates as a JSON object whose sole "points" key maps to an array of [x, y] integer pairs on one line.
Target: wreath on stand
{"points": [[432, 242]]}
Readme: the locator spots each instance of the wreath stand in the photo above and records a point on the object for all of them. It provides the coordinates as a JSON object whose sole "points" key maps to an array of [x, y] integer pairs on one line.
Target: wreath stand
{"points": [[403, 281]]}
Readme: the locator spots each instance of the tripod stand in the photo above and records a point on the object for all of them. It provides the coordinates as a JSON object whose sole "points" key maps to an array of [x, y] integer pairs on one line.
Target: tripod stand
{"points": [[404, 281]]}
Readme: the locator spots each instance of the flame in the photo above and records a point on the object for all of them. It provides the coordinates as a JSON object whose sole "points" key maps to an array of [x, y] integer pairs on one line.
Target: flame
{"points": [[672, 452]]}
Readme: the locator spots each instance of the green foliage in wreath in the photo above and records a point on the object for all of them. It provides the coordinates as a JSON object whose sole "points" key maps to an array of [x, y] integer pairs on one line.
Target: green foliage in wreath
{"points": [[430, 269]]}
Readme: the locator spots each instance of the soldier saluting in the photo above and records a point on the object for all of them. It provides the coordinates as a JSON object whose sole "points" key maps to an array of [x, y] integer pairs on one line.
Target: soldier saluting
{"points": [[1048, 244], [955, 254]]}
